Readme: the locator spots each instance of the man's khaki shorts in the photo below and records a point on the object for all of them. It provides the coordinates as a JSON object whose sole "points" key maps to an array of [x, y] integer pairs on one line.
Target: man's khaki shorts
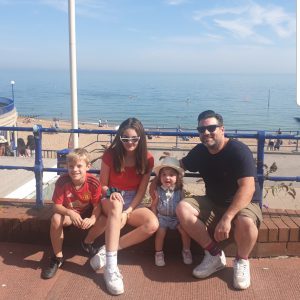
{"points": [[210, 214]]}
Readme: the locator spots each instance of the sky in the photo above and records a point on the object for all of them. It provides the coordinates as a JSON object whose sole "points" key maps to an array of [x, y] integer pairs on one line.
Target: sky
{"points": [[178, 36]]}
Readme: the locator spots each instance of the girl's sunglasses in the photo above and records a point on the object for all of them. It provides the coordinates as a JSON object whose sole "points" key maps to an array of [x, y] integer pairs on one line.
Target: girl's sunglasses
{"points": [[125, 139], [209, 128]]}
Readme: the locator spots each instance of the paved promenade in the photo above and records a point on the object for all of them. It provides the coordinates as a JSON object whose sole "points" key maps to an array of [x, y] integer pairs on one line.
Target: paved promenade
{"points": [[20, 265]]}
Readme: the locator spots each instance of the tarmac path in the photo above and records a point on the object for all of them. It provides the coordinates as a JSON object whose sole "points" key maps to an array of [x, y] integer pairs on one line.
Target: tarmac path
{"points": [[21, 264]]}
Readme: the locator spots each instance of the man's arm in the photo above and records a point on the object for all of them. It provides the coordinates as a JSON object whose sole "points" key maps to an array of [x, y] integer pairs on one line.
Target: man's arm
{"points": [[240, 200], [182, 165], [242, 197]]}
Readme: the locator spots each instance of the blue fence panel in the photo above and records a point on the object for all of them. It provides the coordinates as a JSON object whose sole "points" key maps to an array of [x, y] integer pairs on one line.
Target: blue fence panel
{"points": [[38, 167]]}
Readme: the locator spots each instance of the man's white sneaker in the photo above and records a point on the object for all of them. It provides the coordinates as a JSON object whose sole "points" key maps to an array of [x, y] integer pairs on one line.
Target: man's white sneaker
{"points": [[114, 281], [160, 259], [209, 265], [99, 260], [241, 274], [187, 257]]}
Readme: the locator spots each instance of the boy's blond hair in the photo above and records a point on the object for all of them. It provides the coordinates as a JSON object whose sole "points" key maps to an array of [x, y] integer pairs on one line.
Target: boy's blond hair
{"points": [[79, 153]]}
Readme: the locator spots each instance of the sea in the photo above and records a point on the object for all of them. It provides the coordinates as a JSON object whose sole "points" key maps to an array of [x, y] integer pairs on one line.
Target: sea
{"points": [[165, 100]]}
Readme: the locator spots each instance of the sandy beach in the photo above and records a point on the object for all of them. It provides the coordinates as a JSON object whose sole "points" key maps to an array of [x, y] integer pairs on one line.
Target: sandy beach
{"points": [[60, 140], [96, 144]]}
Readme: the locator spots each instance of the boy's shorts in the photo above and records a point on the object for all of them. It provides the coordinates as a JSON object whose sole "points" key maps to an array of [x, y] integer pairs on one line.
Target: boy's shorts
{"points": [[85, 214], [210, 214]]}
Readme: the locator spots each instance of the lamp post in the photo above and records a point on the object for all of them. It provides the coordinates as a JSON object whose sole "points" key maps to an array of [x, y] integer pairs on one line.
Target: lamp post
{"points": [[73, 71], [12, 90]]}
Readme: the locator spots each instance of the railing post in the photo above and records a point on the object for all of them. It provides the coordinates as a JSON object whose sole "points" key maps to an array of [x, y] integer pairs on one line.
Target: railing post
{"points": [[261, 136], [177, 130], [38, 165]]}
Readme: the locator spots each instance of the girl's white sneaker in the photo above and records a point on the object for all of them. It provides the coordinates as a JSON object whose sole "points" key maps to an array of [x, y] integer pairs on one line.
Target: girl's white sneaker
{"points": [[160, 259], [187, 256]]}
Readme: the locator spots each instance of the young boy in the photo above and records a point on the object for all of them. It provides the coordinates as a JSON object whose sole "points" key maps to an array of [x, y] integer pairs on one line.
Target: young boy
{"points": [[77, 195]]}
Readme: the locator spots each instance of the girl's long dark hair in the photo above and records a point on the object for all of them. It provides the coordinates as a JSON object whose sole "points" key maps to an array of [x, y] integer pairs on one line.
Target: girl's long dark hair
{"points": [[118, 151]]}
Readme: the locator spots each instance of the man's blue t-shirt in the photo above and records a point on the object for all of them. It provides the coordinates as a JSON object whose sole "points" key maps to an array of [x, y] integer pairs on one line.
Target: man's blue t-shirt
{"points": [[221, 171]]}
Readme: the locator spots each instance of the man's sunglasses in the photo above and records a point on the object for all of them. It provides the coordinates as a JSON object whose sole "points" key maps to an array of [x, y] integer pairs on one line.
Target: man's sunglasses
{"points": [[133, 139], [209, 128]]}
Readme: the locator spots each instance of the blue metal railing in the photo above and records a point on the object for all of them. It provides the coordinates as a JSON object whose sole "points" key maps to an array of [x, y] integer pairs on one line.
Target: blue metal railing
{"points": [[38, 167]]}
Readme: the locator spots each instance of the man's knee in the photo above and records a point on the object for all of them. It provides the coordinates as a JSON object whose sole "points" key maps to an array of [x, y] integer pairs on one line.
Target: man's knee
{"points": [[245, 224], [186, 213], [182, 209]]}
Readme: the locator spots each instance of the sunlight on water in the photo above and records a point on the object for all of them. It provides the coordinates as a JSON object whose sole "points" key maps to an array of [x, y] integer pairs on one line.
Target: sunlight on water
{"points": [[165, 100]]}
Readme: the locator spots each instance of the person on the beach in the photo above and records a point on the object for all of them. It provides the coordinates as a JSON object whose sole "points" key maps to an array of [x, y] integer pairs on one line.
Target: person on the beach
{"points": [[56, 123], [76, 202], [169, 191], [279, 131], [125, 172], [277, 144], [271, 144], [3, 143], [21, 148], [30, 145], [231, 201]]}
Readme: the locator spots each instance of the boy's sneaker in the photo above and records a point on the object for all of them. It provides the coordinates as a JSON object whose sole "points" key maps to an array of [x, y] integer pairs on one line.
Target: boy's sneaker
{"points": [[55, 263], [241, 274], [114, 281], [98, 261], [209, 265], [160, 259], [187, 256], [89, 248]]}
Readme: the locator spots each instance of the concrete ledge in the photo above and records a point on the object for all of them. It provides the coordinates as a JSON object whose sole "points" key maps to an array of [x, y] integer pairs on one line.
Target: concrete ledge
{"points": [[21, 221]]}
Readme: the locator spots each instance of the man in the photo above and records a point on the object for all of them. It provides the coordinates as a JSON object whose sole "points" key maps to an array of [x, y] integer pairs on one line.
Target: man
{"points": [[231, 201]]}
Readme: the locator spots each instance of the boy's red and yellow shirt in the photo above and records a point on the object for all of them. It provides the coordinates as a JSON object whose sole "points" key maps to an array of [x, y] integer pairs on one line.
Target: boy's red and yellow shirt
{"points": [[80, 200]]}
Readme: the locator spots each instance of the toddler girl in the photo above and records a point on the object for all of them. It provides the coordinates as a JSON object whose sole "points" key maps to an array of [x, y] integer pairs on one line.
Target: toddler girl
{"points": [[169, 191]]}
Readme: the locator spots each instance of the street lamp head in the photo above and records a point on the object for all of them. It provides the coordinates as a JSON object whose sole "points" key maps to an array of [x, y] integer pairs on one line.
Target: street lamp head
{"points": [[12, 82]]}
